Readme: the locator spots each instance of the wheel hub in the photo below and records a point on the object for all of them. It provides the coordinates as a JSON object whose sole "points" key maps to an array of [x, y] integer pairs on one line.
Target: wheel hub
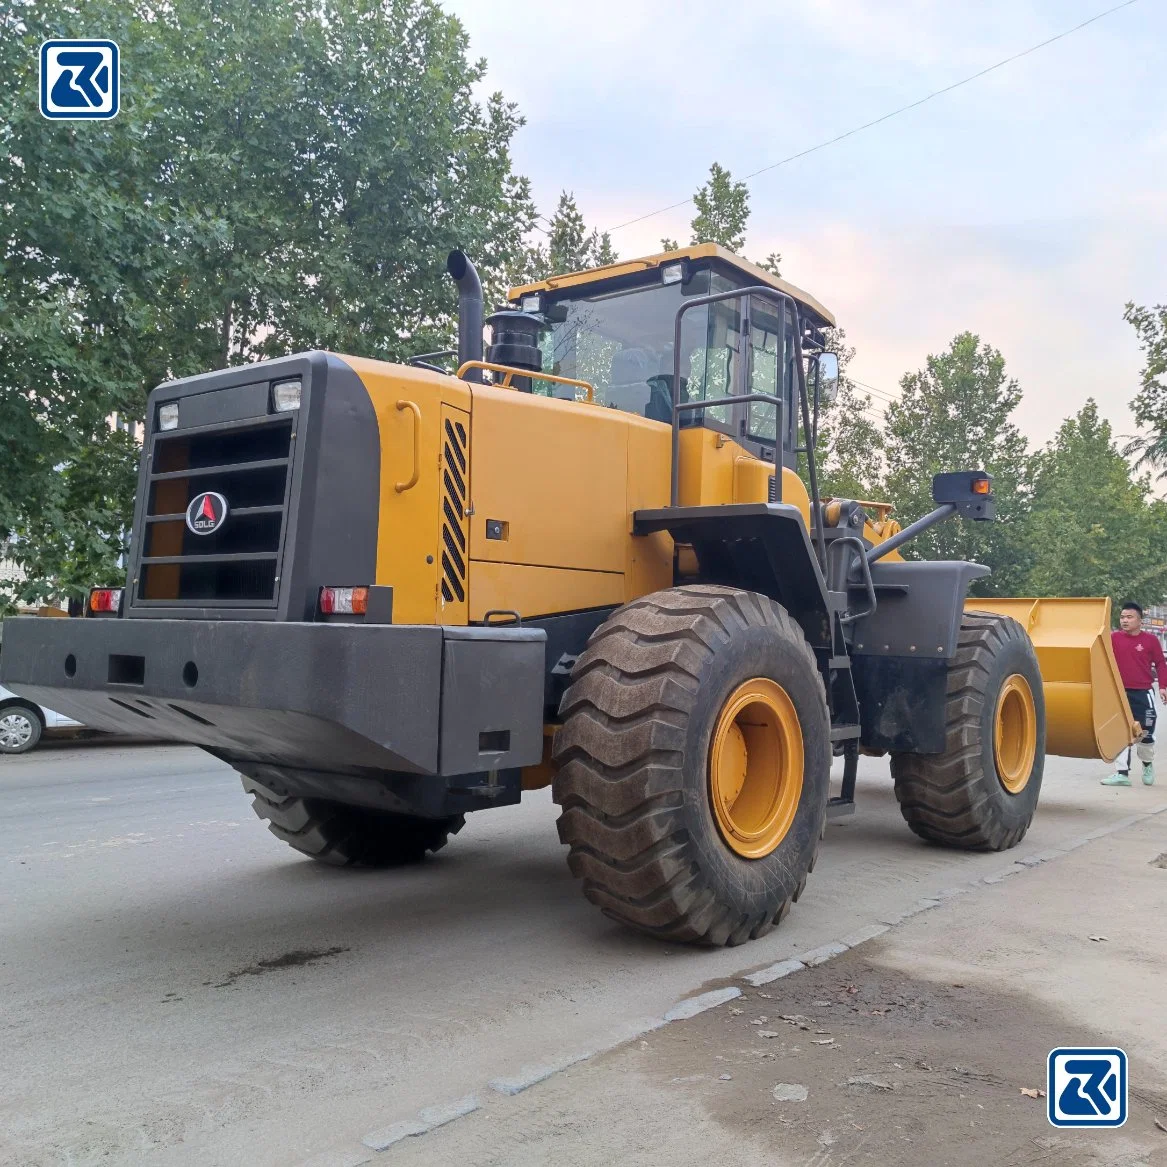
{"points": [[755, 767], [15, 731], [1015, 734]]}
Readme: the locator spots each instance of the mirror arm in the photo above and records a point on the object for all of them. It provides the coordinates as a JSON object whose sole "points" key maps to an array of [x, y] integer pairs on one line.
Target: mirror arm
{"points": [[814, 429], [911, 531]]}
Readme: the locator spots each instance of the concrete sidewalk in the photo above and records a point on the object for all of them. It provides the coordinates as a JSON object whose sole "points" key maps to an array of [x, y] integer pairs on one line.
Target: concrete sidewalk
{"points": [[911, 1048]]}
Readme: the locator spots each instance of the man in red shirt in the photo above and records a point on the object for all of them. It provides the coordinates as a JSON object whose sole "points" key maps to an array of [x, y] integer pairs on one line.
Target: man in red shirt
{"points": [[1139, 655]]}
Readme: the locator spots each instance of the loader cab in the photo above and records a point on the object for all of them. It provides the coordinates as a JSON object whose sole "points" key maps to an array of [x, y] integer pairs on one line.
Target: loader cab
{"points": [[614, 327]]}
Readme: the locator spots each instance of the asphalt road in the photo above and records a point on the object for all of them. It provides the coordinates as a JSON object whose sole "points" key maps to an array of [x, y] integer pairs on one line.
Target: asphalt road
{"points": [[176, 985]]}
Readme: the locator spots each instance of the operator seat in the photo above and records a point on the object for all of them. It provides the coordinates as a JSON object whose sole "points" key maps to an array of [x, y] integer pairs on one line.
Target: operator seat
{"points": [[628, 387]]}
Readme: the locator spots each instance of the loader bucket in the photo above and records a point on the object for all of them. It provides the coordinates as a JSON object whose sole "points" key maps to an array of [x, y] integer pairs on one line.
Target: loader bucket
{"points": [[1086, 711]]}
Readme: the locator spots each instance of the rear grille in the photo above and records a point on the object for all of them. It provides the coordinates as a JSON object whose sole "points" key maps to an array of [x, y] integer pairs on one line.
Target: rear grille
{"points": [[455, 468], [239, 564]]}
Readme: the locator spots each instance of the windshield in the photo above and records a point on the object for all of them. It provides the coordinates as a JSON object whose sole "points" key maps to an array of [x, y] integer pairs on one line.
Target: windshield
{"points": [[621, 343]]}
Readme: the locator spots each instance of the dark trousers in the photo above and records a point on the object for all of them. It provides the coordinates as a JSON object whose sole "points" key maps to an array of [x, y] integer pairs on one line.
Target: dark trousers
{"points": [[1142, 705]]}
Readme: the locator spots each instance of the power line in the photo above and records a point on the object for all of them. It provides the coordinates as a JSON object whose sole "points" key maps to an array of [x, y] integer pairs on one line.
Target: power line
{"points": [[879, 394], [895, 112]]}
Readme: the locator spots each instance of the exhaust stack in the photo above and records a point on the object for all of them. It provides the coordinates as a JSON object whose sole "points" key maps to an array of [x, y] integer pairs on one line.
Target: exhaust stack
{"points": [[463, 273]]}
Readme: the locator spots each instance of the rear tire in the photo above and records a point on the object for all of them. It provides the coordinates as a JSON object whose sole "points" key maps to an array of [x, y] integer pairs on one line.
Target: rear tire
{"points": [[981, 793], [349, 836], [20, 729], [643, 717]]}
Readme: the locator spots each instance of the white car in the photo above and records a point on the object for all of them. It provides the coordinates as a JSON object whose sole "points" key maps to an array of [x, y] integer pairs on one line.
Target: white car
{"points": [[22, 723]]}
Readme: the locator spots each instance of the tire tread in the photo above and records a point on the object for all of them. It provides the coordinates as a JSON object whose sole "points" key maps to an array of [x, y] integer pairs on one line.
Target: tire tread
{"points": [[619, 783], [941, 796]]}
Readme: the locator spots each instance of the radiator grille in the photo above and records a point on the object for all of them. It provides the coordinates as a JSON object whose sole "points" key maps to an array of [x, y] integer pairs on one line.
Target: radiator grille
{"points": [[455, 500], [239, 564]]}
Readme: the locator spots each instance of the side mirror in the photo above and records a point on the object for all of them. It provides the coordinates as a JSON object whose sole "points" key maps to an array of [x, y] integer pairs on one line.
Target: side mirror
{"points": [[826, 378]]}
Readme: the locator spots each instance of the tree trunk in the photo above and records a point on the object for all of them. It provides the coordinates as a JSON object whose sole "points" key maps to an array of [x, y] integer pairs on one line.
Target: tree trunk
{"points": [[225, 339]]}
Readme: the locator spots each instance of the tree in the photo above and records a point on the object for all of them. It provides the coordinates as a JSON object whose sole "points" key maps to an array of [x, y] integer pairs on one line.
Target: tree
{"points": [[849, 451], [723, 210], [954, 414], [570, 246], [1094, 530], [773, 264], [230, 212], [1150, 403]]}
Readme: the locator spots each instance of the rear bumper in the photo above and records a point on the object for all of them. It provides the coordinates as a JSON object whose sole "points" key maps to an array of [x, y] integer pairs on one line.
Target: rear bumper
{"points": [[333, 698]]}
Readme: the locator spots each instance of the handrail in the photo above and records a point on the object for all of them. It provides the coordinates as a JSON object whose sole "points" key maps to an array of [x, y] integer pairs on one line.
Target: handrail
{"points": [[850, 616], [425, 360], [412, 406], [510, 371], [779, 299]]}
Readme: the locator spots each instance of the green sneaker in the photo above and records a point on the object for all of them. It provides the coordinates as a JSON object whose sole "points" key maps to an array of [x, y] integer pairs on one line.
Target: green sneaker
{"points": [[1148, 774], [1118, 779]]}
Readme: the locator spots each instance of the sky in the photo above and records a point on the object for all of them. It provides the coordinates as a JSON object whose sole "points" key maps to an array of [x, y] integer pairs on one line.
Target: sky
{"points": [[1028, 206]]}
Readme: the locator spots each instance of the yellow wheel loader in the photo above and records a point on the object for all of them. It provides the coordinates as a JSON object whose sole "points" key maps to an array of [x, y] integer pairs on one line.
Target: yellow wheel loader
{"points": [[390, 594]]}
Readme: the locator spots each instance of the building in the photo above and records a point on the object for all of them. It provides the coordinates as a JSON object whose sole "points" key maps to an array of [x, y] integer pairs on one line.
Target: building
{"points": [[1155, 620]]}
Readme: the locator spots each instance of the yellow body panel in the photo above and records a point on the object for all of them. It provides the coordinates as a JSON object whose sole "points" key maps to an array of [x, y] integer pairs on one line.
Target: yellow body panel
{"points": [[540, 591], [716, 470], [558, 481], [409, 520], [1086, 711], [555, 472], [648, 565]]}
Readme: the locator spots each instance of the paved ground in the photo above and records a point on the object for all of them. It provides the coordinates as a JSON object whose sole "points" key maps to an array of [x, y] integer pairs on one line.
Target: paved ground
{"points": [[911, 1049], [178, 986]]}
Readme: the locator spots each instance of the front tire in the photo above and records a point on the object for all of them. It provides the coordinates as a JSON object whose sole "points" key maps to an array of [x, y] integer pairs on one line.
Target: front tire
{"points": [[981, 793], [20, 729], [694, 765], [349, 836]]}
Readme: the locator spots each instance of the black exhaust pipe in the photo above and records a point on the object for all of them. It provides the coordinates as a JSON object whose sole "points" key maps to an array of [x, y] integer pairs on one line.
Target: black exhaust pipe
{"points": [[469, 310]]}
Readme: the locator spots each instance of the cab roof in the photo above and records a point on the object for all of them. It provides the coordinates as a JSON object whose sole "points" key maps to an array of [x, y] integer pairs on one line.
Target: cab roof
{"points": [[713, 251]]}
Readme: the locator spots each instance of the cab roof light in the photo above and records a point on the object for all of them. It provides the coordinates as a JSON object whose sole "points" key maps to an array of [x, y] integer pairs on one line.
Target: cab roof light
{"points": [[168, 416]]}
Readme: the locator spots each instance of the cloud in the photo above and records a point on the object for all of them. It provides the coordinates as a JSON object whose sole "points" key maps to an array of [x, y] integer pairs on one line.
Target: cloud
{"points": [[1049, 296], [1026, 206]]}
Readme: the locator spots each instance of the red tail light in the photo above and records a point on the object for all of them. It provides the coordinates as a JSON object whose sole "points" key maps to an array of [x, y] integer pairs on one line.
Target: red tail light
{"points": [[344, 601], [105, 599]]}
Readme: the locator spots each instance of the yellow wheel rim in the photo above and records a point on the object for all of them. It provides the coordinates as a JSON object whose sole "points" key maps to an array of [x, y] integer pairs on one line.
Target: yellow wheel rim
{"points": [[755, 767], [1015, 734]]}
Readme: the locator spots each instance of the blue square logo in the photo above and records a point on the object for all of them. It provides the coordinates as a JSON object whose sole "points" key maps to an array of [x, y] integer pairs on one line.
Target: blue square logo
{"points": [[1086, 1086], [80, 80]]}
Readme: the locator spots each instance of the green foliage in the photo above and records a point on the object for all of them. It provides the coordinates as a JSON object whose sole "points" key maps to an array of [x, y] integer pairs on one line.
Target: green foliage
{"points": [[1150, 403], [954, 414], [1093, 529], [773, 264], [849, 451], [570, 245], [230, 212], [723, 210]]}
